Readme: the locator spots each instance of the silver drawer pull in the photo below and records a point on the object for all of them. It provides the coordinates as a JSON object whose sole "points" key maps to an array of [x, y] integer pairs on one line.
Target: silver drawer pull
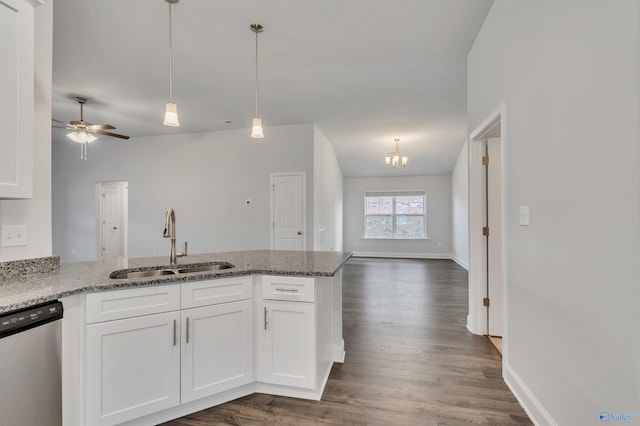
{"points": [[287, 290], [175, 326], [265, 318]]}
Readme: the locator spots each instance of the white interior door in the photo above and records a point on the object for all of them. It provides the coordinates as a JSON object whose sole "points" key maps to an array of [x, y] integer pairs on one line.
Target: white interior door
{"points": [[494, 243], [288, 211], [113, 197]]}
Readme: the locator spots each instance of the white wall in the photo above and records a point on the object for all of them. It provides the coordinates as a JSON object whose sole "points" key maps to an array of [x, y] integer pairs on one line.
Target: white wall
{"points": [[205, 177], [36, 212], [327, 193], [438, 217], [567, 73], [460, 209]]}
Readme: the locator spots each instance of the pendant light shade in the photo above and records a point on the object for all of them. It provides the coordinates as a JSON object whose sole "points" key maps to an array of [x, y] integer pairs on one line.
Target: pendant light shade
{"points": [[171, 110], [256, 129], [171, 115]]}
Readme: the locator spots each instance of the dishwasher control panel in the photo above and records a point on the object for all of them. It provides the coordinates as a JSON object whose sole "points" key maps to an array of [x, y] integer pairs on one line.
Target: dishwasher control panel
{"points": [[24, 319]]}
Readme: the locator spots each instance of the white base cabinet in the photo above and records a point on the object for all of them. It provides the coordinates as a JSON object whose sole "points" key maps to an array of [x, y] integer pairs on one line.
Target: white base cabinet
{"points": [[140, 362], [146, 355], [217, 349], [133, 368], [289, 346]]}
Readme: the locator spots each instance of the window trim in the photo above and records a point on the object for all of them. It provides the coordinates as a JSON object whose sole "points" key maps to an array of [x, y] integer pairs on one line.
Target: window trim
{"points": [[395, 193]]}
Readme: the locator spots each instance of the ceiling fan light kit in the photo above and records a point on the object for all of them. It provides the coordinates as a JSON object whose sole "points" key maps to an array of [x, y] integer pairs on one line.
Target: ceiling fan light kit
{"points": [[256, 128], [171, 110], [81, 136]]}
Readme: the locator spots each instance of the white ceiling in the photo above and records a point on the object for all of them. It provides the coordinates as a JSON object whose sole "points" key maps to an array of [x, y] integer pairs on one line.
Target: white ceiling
{"points": [[365, 71]]}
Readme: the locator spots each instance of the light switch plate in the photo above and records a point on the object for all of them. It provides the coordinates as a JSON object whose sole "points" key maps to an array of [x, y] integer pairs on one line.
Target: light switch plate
{"points": [[524, 215], [13, 235]]}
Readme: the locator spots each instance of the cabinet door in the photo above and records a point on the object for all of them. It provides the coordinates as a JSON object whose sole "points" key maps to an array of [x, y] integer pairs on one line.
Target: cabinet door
{"points": [[16, 99], [289, 355], [133, 368], [217, 348]]}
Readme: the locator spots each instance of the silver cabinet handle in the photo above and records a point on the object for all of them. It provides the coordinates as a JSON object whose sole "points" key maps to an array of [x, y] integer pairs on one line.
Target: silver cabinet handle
{"points": [[175, 326], [287, 290], [265, 318], [187, 329]]}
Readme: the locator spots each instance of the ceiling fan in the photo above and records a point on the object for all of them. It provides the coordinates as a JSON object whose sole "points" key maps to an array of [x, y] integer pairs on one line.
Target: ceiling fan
{"points": [[83, 130]]}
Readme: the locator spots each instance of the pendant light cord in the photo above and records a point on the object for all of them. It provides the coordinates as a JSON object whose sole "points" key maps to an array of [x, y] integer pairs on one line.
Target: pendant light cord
{"points": [[170, 56], [257, 73]]}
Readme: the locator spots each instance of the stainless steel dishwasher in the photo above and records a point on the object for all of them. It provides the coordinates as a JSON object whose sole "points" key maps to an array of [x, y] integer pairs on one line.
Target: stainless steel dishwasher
{"points": [[30, 366]]}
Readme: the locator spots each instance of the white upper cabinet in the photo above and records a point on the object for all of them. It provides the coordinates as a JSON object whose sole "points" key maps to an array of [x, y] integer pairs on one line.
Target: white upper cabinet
{"points": [[16, 98]]}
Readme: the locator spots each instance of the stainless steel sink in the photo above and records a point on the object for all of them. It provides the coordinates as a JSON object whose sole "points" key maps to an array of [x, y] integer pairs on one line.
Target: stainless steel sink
{"points": [[205, 268], [160, 271], [141, 274]]}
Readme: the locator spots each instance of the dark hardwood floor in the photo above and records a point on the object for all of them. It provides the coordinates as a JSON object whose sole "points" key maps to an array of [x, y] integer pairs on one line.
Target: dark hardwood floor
{"points": [[410, 359]]}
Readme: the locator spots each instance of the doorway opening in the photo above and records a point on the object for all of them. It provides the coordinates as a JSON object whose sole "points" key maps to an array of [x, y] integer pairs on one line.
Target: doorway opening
{"points": [[487, 231], [112, 219]]}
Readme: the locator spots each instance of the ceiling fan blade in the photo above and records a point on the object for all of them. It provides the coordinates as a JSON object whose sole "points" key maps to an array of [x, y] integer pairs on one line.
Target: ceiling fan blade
{"points": [[101, 126], [58, 121], [102, 132], [59, 127]]}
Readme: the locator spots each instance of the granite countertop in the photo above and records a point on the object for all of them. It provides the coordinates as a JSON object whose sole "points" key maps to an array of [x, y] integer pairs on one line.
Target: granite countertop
{"points": [[85, 277]]}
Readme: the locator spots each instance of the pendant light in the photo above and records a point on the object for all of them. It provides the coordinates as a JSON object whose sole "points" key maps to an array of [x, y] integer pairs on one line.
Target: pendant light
{"points": [[256, 129], [394, 159], [171, 110]]}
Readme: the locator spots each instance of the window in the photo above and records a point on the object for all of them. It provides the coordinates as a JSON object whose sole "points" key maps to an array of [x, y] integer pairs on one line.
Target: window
{"points": [[395, 215]]}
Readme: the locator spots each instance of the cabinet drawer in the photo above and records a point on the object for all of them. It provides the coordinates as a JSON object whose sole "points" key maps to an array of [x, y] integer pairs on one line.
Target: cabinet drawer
{"points": [[211, 292], [299, 289], [132, 302]]}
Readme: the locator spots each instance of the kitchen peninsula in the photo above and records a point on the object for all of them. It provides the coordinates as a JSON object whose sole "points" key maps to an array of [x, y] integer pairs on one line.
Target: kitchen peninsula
{"points": [[140, 351]]}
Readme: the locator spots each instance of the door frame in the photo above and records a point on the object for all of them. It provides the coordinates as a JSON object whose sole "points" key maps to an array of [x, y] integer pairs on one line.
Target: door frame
{"points": [[272, 176], [477, 321], [124, 212]]}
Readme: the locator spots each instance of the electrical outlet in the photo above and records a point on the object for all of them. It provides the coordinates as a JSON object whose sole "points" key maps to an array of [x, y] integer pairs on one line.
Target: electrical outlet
{"points": [[13, 235]]}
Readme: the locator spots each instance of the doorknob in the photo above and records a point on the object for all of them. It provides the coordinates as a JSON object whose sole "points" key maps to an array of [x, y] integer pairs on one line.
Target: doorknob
{"points": [[115, 227], [299, 232]]}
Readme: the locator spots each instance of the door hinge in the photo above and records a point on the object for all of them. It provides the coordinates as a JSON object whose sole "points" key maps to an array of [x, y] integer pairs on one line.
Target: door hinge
{"points": [[103, 248], [485, 302], [485, 231], [273, 224], [485, 160]]}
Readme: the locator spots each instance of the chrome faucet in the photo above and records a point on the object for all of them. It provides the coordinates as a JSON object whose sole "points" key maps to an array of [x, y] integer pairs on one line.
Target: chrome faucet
{"points": [[170, 231]]}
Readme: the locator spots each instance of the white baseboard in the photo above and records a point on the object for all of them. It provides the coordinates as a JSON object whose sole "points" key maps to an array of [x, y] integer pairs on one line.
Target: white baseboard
{"points": [[526, 398], [339, 353], [402, 255], [460, 262]]}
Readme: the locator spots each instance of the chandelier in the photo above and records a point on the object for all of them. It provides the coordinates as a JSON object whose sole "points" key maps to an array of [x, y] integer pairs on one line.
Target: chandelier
{"points": [[394, 159]]}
